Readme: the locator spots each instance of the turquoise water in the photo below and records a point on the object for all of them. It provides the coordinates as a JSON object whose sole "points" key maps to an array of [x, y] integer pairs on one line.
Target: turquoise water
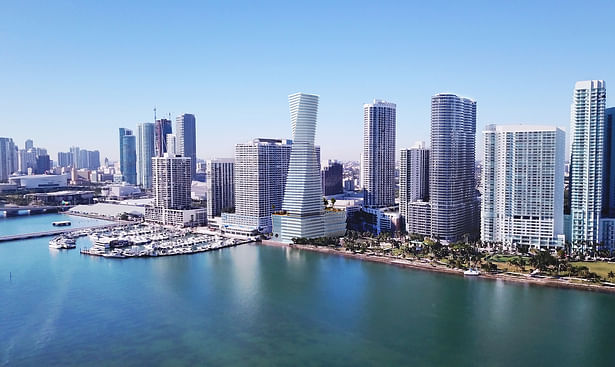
{"points": [[41, 223], [258, 305]]}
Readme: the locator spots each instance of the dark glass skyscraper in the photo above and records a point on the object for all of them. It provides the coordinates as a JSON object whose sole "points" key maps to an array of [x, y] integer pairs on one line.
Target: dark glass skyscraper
{"points": [[332, 179], [608, 176], [162, 127]]}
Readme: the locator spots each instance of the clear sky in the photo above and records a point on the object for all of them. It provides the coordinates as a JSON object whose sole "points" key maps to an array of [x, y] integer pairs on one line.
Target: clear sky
{"points": [[72, 73]]}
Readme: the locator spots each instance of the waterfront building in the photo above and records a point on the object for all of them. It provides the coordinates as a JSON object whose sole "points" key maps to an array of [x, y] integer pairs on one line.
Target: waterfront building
{"points": [[145, 153], [332, 179], [128, 156], [162, 128], [452, 188], [607, 220], [172, 188], [379, 154], [261, 168], [413, 179], [39, 181], [185, 131], [523, 186], [8, 164], [220, 186], [303, 214], [586, 162]]}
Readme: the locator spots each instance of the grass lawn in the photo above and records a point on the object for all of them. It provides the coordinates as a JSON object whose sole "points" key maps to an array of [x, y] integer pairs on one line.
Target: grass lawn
{"points": [[601, 268]]}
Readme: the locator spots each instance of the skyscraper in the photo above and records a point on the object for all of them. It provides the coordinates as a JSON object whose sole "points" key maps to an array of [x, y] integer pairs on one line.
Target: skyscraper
{"points": [[608, 176], [261, 169], [123, 132], [7, 158], [332, 179], [65, 159], [452, 188], [379, 154], [413, 178], [220, 186], [171, 187], [587, 157], [26, 161], [29, 144], [74, 151], [128, 156], [162, 128], [523, 198], [171, 144], [303, 213], [185, 131], [145, 153], [43, 164]]}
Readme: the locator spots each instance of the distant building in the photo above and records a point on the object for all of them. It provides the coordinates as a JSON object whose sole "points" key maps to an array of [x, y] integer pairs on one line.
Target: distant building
{"points": [[171, 145], [379, 154], [332, 179], [172, 194], [65, 159], [162, 128], [303, 214], [8, 165], [27, 161], [185, 131], [220, 186], [145, 153], [261, 169], [28, 144], [43, 164], [128, 156], [523, 199]]}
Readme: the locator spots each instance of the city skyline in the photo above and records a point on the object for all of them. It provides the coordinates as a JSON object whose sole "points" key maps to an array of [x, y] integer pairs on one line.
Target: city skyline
{"points": [[243, 94]]}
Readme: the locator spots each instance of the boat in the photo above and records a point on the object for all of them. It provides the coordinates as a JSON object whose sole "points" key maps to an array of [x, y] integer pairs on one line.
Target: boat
{"points": [[61, 223], [471, 272]]}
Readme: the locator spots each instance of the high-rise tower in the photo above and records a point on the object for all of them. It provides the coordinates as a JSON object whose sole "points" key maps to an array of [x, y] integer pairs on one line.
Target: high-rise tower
{"points": [[378, 168], [185, 131], [145, 152], [586, 161], [452, 184]]}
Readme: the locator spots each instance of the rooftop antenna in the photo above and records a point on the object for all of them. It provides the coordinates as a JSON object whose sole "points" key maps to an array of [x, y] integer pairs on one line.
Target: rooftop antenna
{"points": [[154, 113]]}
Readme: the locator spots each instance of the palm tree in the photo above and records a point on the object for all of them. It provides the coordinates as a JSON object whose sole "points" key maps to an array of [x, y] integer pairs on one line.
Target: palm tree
{"points": [[611, 275], [333, 202]]}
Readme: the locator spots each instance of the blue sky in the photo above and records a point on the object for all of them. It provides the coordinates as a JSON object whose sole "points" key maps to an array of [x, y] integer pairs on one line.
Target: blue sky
{"points": [[72, 73]]}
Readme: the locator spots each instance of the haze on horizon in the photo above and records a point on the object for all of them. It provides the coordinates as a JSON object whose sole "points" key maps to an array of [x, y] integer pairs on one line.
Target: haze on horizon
{"points": [[73, 73]]}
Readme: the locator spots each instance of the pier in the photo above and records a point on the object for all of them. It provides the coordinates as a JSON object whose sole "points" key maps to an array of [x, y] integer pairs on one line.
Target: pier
{"points": [[53, 232], [11, 211]]}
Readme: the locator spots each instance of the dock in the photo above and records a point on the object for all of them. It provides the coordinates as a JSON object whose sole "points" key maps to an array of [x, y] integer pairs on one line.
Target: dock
{"points": [[54, 232]]}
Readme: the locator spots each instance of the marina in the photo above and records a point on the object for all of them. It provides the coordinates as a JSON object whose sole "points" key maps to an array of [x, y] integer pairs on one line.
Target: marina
{"points": [[151, 241]]}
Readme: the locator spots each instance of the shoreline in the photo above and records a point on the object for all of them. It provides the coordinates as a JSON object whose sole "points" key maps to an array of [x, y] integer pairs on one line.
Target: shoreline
{"points": [[429, 266]]}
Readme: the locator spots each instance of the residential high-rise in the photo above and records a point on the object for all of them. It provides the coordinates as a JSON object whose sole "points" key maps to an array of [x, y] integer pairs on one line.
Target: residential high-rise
{"points": [[379, 154], [586, 162], [332, 179], [74, 151], [523, 183], [162, 128], [261, 168], [65, 159], [128, 156], [7, 158], [303, 214], [145, 153], [171, 186], [413, 179], [452, 187], [185, 131], [220, 186]]}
